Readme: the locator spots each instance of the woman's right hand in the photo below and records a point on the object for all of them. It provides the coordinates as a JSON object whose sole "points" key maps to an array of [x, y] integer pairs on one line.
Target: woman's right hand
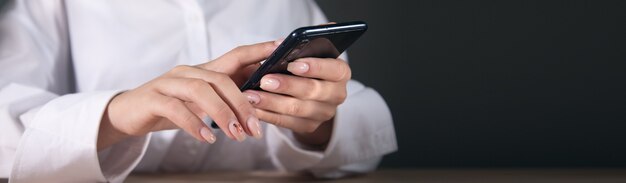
{"points": [[184, 95]]}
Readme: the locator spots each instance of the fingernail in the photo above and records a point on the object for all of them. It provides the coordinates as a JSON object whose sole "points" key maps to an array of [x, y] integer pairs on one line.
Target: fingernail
{"points": [[237, 131], [207, 135], [255, 127], [269, 83], [298, 67], [278, 41], [253, 98]]}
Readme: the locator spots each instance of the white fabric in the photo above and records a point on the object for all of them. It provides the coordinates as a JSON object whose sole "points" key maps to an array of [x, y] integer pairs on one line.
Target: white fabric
{"points": [[61, 61]]}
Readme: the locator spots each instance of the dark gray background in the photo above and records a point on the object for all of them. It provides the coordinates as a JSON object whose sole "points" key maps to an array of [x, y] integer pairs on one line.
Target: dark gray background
{"points": [[528, 83], [524, 83]]}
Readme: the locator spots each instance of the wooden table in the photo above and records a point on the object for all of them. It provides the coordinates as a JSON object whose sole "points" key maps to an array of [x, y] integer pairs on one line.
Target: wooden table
{"points": [[406, 175]]}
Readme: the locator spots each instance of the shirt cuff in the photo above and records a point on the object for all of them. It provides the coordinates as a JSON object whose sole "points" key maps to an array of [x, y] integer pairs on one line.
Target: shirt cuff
{"points": [[287, 153], [63, 137], [117, 161]]}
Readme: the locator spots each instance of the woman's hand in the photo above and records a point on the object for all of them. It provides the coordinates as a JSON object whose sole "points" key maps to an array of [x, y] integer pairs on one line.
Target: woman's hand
{"points": [[184, 95], [305, 103]]}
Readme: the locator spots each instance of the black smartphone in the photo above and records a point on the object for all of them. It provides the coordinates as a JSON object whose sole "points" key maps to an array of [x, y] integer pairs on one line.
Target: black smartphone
{"points": [[322, 41]]}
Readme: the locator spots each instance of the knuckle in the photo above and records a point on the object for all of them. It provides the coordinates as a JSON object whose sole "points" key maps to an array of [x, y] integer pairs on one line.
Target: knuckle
{"points": [[220, 78], [171, 104], [328, 114], [196, 85], [346, 72], [341, 96], [238, 49], [223, 78], [279, 121], [294, 109], [312, 89], [179, 69]]}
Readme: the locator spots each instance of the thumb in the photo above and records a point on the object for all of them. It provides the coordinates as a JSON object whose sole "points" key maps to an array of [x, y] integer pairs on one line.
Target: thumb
{"points": [[241, 57]]}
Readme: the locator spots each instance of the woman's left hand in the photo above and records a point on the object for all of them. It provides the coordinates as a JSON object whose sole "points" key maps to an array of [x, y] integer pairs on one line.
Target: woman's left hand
{"points": [[305, 103]]}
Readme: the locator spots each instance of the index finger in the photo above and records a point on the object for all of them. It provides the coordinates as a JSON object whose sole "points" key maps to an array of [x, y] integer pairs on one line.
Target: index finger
{"points": [[321, 68], [242, 56]]}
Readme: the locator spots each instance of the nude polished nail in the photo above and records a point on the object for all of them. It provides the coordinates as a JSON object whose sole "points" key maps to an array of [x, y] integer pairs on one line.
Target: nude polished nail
{"points": [[255, 127], [253, 98], [269, 83], [207, 135], [237, 131], [298, 67]]}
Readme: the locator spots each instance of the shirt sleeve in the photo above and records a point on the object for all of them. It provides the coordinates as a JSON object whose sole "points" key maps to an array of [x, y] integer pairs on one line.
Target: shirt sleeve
{"points": [[48, 133], [66, 129]]}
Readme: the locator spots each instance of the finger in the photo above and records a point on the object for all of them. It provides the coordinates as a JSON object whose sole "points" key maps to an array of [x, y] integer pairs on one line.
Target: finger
{"points": [[230, 93], [279, 41], [296, 124], [242, 56], [249, 70], [175, 110], [286, 105], [246, 73], [203, 94], [321, 68], [196, 110], [304, 88]]}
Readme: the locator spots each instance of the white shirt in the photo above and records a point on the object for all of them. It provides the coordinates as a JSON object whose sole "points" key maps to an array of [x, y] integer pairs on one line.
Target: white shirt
{"points": [[61, 61]]}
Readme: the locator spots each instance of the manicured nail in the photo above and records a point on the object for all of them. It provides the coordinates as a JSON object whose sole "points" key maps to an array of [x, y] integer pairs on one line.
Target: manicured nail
{"points": [[237, 131], [255, 127], [253, 98], [298, 67], [207, 135], [269, 83]]}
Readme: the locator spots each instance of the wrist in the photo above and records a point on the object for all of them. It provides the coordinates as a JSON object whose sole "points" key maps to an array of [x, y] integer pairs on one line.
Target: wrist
{"points": [[108, 134], [318, 138]]}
